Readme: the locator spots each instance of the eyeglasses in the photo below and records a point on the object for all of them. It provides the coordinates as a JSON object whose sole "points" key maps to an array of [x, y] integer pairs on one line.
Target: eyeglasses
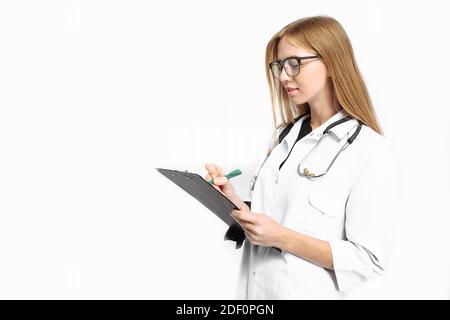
{"points": [[290, 64]]}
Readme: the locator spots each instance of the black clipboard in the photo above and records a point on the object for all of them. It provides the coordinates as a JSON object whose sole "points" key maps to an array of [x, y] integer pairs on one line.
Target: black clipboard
{"points": [[211, 198], [204, 192]]}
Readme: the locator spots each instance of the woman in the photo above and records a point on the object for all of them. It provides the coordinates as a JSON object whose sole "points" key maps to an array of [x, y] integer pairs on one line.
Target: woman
{"points": [[333, 225]]}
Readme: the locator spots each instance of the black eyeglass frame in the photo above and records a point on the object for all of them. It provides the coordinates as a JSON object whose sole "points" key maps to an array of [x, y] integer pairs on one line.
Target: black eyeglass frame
{"points": [[299, 61]]}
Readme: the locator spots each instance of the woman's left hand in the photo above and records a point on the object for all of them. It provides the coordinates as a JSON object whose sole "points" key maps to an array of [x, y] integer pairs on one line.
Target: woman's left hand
{"points": [[259, 228]]}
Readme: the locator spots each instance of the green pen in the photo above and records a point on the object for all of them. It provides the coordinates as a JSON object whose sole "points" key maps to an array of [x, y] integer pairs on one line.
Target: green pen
{"points": [[232, 174]]}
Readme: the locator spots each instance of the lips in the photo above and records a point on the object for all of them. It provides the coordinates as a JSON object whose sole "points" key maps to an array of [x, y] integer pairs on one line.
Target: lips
{"points": [[292, 91]]}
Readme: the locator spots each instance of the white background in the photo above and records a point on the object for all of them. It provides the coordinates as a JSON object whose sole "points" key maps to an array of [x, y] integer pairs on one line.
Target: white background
{"points": [[94, 95]]}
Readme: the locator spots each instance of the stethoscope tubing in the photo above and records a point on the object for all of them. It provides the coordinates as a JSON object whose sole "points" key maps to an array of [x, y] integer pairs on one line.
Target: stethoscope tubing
{"points": [[325, 132]]}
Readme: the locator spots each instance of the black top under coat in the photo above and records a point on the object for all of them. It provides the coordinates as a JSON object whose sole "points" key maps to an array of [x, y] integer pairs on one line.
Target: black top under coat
{"points": [[304, 130]]}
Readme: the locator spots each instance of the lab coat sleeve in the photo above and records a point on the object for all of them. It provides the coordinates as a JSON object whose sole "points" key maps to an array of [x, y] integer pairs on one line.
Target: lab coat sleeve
{"points": [[370, 221]]}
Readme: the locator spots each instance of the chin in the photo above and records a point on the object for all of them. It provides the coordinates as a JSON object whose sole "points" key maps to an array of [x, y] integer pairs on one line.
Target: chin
{"points": [[299, 100]]}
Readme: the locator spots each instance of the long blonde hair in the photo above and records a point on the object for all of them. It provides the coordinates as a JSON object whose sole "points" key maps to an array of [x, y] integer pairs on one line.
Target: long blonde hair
{"points": [[326, 36]]}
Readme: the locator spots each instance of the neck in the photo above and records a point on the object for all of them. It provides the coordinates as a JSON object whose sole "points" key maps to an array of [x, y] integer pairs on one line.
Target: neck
{"points": [[317, 119], [323, 106]]}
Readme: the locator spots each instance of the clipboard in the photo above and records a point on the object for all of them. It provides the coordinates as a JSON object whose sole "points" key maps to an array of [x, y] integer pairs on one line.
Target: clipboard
{"points": [[205, 193], [211, 198]]}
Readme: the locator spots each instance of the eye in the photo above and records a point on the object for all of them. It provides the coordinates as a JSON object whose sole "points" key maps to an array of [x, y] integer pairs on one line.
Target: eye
{"points": [[292, 62]]}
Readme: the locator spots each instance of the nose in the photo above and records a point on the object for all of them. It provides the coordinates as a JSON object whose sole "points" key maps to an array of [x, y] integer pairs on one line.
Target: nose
{"points": [[284, 76]]}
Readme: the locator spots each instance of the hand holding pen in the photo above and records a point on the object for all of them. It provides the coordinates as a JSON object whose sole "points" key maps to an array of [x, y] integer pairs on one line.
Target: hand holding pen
{"points": [[221, 182], [230, 175]]}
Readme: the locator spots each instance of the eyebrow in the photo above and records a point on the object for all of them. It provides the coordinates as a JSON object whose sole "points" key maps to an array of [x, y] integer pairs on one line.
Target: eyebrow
{"points": [[291, 56]]}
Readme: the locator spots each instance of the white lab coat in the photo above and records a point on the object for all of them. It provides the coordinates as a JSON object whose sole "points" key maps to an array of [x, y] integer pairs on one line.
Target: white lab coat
{"points": [[353, 208]]}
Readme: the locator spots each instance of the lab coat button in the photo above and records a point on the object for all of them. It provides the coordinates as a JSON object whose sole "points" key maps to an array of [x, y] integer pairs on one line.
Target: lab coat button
{"points": [[254, 272]]}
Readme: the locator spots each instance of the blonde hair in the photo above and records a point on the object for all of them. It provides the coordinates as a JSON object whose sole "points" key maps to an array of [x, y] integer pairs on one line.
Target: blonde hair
{"points": [[326, 36]]}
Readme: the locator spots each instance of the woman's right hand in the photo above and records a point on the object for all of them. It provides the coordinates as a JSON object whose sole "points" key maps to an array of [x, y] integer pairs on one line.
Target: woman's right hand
{"points": [[220, 182]]}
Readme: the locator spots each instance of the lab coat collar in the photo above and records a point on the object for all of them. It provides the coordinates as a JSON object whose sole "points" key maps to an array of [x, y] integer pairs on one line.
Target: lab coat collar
{"points": [[340, 130]]}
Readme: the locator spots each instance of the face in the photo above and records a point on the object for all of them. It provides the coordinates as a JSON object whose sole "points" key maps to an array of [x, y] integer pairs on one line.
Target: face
{"points": [[312, 79]]}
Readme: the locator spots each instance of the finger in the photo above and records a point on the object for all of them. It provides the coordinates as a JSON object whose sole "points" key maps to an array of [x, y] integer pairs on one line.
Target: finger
{"points": [[208, 167], [246, 216], [209, 177], [243, 215], [250, 236], [211, 180], [211, 169], [220, 180], [219, 171], [249, 227], [245, 207], [216, 170], [241, 222]]}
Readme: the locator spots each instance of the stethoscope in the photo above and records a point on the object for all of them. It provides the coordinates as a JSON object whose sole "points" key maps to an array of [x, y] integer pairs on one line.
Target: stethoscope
{"points": [[306, 173]]}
